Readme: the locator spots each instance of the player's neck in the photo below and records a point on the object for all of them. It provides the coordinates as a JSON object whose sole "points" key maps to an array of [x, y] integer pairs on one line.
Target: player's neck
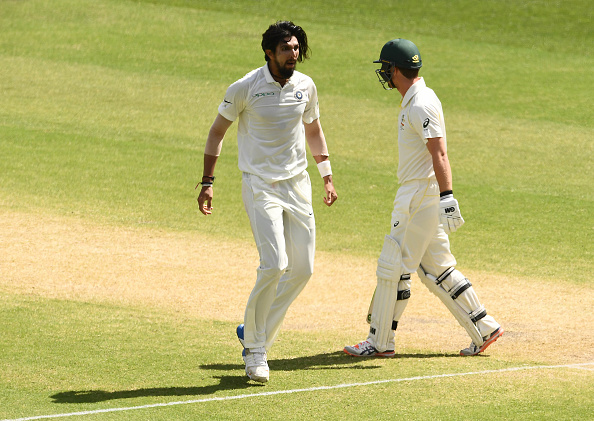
{"points": [[405, 84]]}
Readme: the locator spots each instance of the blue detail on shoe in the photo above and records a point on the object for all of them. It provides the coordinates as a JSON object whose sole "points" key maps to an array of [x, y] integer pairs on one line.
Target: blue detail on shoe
{"points": [[240, 329], [240, 336]]}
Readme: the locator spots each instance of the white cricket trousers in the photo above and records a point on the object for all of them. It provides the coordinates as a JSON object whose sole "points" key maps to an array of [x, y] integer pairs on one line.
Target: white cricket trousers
{"points": [[282, 221], [416, 227]]}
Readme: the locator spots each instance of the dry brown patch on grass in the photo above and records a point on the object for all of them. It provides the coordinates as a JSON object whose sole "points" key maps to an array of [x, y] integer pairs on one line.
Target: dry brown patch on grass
{"points": [[198, 276]]}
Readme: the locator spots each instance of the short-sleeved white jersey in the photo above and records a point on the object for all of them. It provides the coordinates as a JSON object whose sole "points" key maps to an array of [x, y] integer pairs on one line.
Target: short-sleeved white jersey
{"points": [[270, 133], [421, 118]]}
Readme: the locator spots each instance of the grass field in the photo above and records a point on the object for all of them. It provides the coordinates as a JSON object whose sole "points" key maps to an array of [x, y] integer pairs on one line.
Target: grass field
{"points": [[118, 300]]}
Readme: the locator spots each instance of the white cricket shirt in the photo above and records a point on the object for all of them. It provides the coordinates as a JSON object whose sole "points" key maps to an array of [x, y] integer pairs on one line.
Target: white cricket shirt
{"points": [[421, 118], [270, 133]]}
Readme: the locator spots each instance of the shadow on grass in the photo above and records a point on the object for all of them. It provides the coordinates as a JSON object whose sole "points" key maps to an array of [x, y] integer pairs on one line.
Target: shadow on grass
{"points": [[94, 396], [330, 361], [337, 360]]}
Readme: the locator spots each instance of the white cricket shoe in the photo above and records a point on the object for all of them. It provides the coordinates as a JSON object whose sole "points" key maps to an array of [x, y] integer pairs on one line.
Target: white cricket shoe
{"points": [[475, 350], [365, 349], [256, 364]]}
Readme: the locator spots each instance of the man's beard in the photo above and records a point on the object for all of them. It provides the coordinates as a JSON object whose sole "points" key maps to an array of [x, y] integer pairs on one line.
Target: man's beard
{"points": [[284, 72]]}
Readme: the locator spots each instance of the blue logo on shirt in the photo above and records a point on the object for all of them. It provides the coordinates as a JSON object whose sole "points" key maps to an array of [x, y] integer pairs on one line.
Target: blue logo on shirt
{"points": [[299, 95]]}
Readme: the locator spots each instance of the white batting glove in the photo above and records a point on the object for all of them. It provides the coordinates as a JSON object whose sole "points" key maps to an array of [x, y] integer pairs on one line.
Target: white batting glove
{"points": [[449, 213]]}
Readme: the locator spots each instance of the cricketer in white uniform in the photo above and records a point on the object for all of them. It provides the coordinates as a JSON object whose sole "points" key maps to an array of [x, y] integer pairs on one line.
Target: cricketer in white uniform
{"points": [[425, 212], [277, 112]]}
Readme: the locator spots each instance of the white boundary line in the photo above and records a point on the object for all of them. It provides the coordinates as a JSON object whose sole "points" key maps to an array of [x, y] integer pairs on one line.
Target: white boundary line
{"points": [[310, 389]]}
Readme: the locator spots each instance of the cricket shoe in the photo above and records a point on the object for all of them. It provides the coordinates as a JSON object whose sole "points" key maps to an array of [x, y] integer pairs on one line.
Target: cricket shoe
{"points": [[240, 334], [256, 364], [365, 349], [475, 350]]}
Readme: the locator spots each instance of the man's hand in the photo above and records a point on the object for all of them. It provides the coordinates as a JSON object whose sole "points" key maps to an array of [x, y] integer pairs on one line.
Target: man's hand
{"points": [[331, 195], [205, 200], [449, 214]]}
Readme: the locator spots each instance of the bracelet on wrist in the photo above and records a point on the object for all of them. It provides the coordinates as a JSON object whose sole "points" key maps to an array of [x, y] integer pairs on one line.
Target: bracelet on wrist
{"points": [[208, 183]]}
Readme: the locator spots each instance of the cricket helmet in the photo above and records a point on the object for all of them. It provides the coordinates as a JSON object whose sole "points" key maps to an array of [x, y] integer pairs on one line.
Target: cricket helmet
{"points": [[400, 53]]}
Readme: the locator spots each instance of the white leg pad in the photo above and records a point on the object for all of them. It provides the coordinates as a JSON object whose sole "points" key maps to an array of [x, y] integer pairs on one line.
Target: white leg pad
{"points": [[389, 268], [403, 296], [389, 264], [456, 292]]}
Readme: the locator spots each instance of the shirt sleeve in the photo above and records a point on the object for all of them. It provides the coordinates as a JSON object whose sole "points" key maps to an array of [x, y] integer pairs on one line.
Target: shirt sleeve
{"points": [[312, 109], [234, 102], [427, 120]]}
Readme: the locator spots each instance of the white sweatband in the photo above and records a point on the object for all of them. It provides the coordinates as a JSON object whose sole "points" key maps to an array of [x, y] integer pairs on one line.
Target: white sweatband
{"points": [[324, 168]]}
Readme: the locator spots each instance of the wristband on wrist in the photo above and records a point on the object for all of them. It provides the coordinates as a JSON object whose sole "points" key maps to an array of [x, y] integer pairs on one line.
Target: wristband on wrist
{"points": [[324, 168], [445, 193], [208, 183]]}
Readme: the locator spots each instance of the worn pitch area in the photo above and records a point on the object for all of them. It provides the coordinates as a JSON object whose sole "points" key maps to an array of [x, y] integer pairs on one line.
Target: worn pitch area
{"points": [[73, 259]]}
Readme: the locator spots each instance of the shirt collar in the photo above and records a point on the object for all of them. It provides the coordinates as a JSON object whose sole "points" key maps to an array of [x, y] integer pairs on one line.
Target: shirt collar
{"points": [[412, 91], [267, 74]]}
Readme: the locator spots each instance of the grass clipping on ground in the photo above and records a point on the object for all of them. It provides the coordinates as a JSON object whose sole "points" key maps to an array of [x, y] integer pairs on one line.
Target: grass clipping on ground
{"points": [[201, 277]]}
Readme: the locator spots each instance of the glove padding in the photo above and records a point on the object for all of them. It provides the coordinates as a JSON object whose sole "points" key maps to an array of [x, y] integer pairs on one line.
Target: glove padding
{"points": [[449, 214]]}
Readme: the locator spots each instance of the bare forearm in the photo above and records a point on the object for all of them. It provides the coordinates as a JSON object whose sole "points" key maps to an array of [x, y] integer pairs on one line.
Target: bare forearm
{"points": [[443, 172], [441, 164], [211, 154], [316, 141], [210, 162]]}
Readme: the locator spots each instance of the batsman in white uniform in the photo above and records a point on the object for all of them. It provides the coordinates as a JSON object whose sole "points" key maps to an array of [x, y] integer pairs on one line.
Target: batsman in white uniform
{"points": [[425, 212], [277, 112]]}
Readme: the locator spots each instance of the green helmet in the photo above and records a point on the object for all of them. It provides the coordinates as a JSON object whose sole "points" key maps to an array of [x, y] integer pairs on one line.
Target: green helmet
{"points": [[400, 53]]}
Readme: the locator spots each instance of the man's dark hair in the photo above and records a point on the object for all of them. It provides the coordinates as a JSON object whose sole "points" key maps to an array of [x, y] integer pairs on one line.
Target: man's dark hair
{"points": [[278, 32], [409, 73]]}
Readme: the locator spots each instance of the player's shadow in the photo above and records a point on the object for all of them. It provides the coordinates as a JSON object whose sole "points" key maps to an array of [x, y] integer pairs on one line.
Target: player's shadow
{"points": [[330, 361], [94, 396], [337, 360]]}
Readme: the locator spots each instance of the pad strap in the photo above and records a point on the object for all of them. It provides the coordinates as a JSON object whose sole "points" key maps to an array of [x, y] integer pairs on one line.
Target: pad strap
{"points": [[478, 314], [460, 288], [444, 275], [403, 295]]}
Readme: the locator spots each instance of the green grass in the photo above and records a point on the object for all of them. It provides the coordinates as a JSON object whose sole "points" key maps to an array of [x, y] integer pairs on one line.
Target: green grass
{"points": [[104, 110], [67, 356]]}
